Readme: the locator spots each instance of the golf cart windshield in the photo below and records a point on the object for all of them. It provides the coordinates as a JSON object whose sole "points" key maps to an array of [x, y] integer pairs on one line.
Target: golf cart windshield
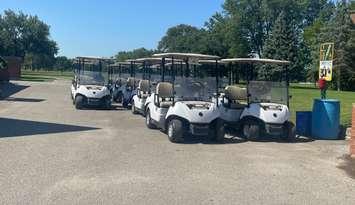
{"points": [[263, 86], [195, 84], [92, 78], [268, 92]]}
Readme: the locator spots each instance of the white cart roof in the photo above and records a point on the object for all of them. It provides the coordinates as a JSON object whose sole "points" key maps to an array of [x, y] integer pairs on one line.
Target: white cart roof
{"points": [[186, 56], [255, 60]]}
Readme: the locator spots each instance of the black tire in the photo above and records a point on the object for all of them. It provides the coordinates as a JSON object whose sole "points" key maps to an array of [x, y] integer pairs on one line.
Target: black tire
{"points": [[125, 104], [119, 97], [251, 130], [220, 131], [79, 102], [133, 109], [217, 131], [107, 104], [289, 132], [149, 121], [175, 131]]}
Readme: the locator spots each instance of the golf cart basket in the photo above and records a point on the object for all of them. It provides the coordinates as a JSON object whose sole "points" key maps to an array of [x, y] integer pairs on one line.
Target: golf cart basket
{"points": [[264, 86]]}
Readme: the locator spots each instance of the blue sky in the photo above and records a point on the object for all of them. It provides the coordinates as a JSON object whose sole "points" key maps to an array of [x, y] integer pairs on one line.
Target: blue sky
{"points": [[104, 27]]}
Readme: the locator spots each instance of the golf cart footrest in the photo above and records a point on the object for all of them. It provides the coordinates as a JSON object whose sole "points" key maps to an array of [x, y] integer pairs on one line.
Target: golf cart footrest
{"points": [[199, 129], [274, 129]]}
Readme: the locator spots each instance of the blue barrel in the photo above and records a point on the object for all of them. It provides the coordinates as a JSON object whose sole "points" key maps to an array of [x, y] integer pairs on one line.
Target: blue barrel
{"points": [[304, 123], [326, 119]]}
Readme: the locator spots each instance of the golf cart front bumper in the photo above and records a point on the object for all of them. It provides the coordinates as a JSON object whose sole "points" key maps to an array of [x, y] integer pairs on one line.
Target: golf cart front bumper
{"points": [[199, 129], [97, 101], [274, 129]]}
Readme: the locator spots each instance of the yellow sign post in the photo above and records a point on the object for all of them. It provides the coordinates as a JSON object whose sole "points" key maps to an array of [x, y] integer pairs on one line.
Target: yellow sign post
{"points": [[326, 61]]}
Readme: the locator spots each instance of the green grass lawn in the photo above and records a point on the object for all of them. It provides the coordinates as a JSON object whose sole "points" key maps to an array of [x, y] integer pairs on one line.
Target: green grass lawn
{"points": [[302, 100], [44, 76]]}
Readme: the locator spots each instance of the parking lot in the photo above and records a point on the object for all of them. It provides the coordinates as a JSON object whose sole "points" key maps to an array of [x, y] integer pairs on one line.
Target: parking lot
{"points": [[51, 153]]}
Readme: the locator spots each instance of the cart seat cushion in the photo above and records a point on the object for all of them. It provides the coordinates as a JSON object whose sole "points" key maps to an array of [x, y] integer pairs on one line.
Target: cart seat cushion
{"points": [[130, 82], [166, 104], [165, 90], [235, 93], [144, 86]]}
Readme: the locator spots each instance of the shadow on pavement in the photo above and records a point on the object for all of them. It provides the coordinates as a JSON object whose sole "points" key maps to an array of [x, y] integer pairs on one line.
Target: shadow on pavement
{"points": [[20, 128], [11, 99], [348, 165], [8, 89]]}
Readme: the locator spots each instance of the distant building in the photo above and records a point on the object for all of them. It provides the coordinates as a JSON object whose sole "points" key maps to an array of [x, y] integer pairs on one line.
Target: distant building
{"points": [[12, 70]]}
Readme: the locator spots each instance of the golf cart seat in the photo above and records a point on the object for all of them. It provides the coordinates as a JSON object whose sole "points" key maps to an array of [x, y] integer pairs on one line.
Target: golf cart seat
{"points": [[144, 88], [235, 95], [165, 95], [130, 82]]}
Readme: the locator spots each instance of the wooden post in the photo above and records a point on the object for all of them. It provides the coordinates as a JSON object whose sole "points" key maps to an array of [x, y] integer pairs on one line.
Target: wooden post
{"points": [[352, 140]]}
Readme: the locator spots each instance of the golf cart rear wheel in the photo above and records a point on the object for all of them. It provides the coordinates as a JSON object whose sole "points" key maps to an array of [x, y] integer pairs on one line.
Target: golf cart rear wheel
{"points": [[175, 131], [289, 132], [149, 121], [79, 102], [251, 130]]}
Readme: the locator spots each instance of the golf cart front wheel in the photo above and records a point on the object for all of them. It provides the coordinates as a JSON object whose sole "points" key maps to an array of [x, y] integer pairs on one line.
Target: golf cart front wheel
{"points": [[218, 131], [149, 121], [175, 131], [289, 132], [251, 130], [133, 109], [79, 102]]}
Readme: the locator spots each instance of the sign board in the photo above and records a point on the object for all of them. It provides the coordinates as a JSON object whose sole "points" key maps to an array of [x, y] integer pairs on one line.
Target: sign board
{"points": [[326, 61]]}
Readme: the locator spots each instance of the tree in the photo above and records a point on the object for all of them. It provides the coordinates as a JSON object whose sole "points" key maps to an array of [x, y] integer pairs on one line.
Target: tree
{"points": [[341, 32], [134, 54], [63, 63], [182, 38], [283, 44], [22, 35]]}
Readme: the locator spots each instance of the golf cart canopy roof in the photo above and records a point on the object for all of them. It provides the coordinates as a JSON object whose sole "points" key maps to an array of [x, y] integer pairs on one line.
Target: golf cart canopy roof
{"points": [[149, 60], [120, 63], [92, 58], [255, 60], [210, 62], [186, 56]]}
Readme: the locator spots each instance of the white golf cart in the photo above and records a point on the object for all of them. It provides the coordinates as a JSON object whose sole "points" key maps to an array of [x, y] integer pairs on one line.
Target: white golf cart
{"points": [[130, 87], [121, 72], [149, 80], [90, 84], [261, 105], [182, 103]]}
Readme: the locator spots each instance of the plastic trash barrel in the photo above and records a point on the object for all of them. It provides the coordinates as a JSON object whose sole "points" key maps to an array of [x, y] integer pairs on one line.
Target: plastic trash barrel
{"points": [[304, 123], [326, 119]]}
